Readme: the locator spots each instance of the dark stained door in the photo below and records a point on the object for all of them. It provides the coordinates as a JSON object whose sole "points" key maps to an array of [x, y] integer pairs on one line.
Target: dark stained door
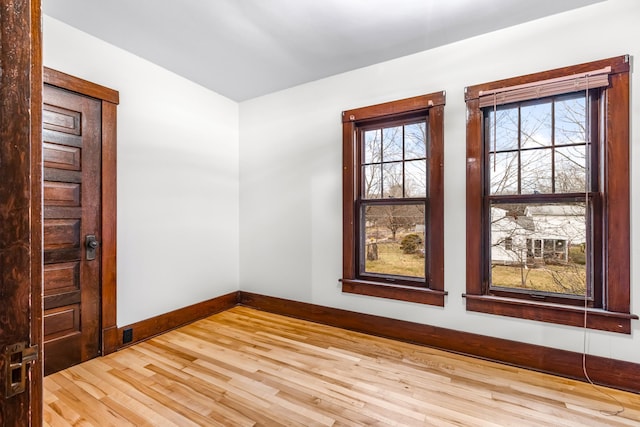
{"points": [[71, 149]]}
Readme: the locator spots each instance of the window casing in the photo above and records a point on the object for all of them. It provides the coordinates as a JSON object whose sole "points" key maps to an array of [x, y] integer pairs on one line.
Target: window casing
{"points": [[392, 200], [548, 198]]}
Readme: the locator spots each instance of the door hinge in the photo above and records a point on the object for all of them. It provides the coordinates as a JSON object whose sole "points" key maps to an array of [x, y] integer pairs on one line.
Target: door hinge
{"points": [[16, 359]]}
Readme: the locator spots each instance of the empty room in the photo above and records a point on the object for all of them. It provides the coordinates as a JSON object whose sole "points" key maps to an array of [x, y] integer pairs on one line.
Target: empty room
{"points": [[297, 212]]}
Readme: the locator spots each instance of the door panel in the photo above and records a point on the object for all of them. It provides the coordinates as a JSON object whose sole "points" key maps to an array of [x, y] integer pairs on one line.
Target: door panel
{"points": [[20, 210], [71, 191]]}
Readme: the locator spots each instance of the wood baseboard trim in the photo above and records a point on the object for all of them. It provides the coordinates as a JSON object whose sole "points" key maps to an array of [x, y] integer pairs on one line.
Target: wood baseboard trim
{"points": [[110, 342], [166, 322], [608, 372]]}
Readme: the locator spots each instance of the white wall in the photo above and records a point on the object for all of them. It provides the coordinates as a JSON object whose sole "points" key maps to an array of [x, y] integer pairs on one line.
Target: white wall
{"points": [[290, 170], [177, 176]]}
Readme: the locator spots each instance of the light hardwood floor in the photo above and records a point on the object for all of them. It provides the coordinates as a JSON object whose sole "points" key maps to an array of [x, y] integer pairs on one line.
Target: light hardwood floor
{"points": [[245, 367]]}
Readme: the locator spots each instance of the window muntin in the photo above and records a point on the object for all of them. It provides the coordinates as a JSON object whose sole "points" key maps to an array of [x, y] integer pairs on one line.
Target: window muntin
{"points": [[393, 163], [607, 203], [393, 184], [538, 147], [539, 159]]}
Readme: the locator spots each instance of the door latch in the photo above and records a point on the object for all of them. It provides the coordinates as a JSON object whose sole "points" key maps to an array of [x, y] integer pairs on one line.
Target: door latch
{"points": [[91, 244], [16, 359]]}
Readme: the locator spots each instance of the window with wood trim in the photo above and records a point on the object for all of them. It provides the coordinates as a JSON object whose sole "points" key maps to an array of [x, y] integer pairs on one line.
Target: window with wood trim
{"points": [[393, 200], [548, 225]]}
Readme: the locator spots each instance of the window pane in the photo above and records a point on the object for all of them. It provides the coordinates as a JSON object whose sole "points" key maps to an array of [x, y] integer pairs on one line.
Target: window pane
{"points": [[372, 184], [392, 144], [392, 184], [415, 177], [372, 146], [535, 171], [415, 141], [503, 170], [570, 169], [535, 124], [570, 111], [506, 129], [545, 250], [393, 241]]}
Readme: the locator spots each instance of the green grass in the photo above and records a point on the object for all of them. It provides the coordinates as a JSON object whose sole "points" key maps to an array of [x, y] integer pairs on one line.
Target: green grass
{"points": [[391, 260]]}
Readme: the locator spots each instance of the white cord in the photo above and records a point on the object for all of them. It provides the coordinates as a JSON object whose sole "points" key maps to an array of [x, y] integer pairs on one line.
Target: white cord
{"points": [[587, 249]]}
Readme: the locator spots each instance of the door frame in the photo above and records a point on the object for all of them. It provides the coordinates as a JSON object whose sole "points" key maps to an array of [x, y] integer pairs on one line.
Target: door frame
{"points": [[109, 98]]}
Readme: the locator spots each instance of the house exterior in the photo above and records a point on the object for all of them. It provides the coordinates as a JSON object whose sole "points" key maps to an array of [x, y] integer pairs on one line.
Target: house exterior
{"points": [[536, 234]]}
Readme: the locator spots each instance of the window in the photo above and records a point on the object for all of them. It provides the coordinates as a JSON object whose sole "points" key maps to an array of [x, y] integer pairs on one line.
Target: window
{"points": [[548, 196], [393, 200]]}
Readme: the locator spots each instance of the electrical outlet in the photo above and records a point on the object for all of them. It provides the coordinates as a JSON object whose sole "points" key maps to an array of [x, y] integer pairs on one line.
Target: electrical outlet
{"points": [[127, 335]]}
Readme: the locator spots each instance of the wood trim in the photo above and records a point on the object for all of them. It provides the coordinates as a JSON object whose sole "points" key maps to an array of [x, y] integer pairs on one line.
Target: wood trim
{"points": [[604, 371], [37, 278], [109, 98], [436, 198], [166, 322], [474, 199], [617, 224], [36, 256], [401, 293], [403, 106], [76, 84], [561, 314], [619, 64], [109, 233], [611, 230], [431, 106], [348, 201]]}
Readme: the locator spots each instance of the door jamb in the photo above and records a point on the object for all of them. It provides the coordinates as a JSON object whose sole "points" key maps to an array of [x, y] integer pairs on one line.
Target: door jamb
{"points": [[109, 99]]}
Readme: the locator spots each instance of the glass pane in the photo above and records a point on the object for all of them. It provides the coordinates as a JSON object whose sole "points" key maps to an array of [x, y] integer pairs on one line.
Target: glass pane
{"points": [[372, 146], [570, 119], [372, 184], [393, 240], [570, 169], [535, 171], [415, 178], [535, 124], [506, 129], [392, 144], [415, 141], [392, 184], [546, 250], [503, 170]]}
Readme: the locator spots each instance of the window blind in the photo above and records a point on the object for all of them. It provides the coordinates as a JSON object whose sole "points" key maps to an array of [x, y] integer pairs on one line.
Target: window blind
{"points": [[544, 88]]}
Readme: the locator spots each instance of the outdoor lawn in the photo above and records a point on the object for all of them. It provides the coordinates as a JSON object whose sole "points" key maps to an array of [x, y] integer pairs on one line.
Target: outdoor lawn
{"points": [[564, 279], [391, 260]]}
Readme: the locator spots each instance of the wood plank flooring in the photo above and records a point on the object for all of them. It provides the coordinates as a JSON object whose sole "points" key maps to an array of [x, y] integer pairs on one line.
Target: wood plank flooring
{"points": [[244, 367]]}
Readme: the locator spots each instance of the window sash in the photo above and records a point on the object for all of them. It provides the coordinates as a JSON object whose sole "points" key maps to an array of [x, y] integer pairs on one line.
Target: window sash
{"points": [[613, 227], [429, 290], [399, 207]]}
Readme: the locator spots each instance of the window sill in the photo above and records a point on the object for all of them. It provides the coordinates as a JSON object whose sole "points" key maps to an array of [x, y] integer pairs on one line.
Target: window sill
{"points": [[397, 292], [553, 313]]}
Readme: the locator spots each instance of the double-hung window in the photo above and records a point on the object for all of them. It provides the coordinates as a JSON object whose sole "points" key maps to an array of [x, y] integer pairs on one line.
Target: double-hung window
{"points": [[548, 196], [392, 200]]}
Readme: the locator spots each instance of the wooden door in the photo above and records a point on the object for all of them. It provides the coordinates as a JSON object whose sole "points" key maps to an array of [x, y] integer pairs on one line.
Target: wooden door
{"points": [[20, 211], [71, 154]]}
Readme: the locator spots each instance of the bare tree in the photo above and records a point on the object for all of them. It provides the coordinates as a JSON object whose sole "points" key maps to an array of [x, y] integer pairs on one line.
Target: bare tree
{"points": [[532, 152]]}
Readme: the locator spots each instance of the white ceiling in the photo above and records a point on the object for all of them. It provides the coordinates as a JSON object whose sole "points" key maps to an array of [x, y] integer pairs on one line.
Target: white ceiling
{"points": [[246, 48]]}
